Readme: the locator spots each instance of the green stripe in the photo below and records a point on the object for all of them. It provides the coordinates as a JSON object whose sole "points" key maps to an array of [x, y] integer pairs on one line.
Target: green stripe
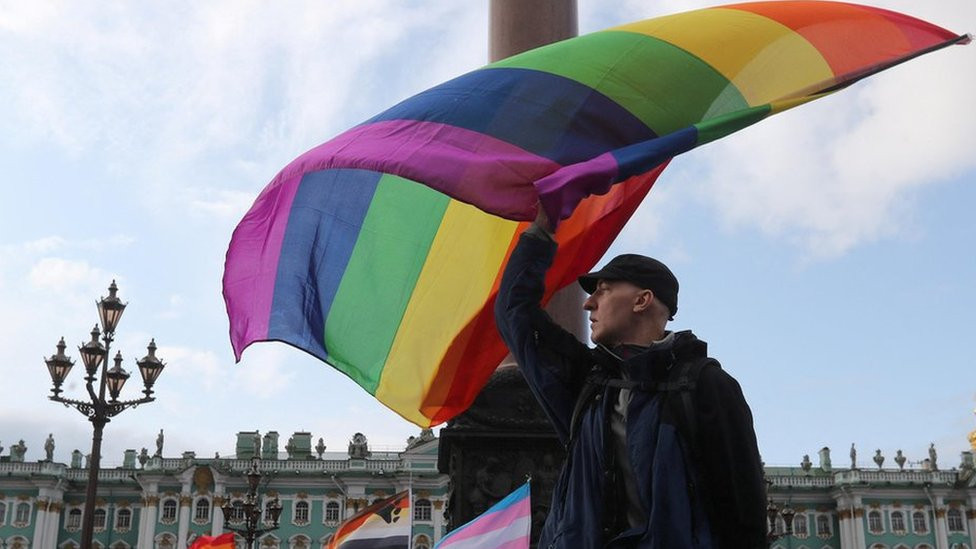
{"points": [[376, 286], [720, 126], [664, 86]]}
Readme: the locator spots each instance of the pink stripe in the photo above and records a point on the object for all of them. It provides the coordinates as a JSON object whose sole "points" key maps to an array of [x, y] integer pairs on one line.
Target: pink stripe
{"points": [[251, 264], [490, 521], [561, 191], [467, 165], [515, 544]]}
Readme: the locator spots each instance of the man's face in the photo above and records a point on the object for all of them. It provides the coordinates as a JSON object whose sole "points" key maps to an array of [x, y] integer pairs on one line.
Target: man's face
{"points": [[612, 309]]}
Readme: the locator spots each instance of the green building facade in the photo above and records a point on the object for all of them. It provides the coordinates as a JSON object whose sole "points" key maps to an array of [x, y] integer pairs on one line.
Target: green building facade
{"points": [[162, 502], [918, 506]]}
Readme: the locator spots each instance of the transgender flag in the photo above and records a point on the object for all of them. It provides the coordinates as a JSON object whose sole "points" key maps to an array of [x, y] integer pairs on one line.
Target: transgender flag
{"points": [[506, 525]]}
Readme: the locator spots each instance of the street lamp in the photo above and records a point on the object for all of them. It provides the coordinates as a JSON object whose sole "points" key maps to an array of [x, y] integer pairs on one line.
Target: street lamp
{"points": [[772, 513], [99, 410], [248, 511]]}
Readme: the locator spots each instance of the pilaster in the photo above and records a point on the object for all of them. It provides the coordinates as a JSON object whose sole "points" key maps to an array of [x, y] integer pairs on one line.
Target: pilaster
{"points": [[53, 520], [147, 520], [184, 526], [40, 523], [217, 515]]}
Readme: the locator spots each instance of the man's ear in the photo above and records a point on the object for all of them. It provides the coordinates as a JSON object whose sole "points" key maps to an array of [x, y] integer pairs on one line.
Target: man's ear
{"points": [[643, 300]]}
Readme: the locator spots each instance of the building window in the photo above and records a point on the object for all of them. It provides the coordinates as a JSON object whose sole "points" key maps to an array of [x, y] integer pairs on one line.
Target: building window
{"points": [[898, 522], [169, 512], [267, 511], [299, 542], [919, 525], [421, 510], [123, 520], [800, 525], [3, 513], [99, 522], [422, 542], [332, 512], [201, 511], [236, 512], [875, 525], [166, 541], [73, 522], [823, 526], [953, 518], [301, 513], [22, 517]]}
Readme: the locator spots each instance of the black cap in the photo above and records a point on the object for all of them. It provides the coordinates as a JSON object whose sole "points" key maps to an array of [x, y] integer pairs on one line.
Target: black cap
{"points": [[643, 272]]}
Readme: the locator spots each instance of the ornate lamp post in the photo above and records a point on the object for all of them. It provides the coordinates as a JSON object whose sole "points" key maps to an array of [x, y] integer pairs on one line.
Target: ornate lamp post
{"points": [[97, 408], [248, 511]]}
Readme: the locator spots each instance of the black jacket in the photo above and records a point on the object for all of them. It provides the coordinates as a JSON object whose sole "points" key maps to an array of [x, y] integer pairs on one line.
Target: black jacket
{"points": [[707, 494]]}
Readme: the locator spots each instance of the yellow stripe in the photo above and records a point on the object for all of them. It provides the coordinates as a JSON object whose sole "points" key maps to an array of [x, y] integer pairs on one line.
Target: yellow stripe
{"points": [[765, 60], [460, 270]]}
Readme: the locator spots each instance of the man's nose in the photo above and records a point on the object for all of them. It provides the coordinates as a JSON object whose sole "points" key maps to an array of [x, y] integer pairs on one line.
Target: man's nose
{"points": [[589, 305]]}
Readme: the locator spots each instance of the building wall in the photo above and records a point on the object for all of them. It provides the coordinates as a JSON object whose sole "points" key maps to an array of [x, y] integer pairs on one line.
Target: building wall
{"points": [[171, 501]]}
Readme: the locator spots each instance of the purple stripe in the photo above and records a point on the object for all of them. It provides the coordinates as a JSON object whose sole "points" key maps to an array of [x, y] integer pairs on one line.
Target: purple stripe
{"points": [[252, 261], [561, 191], [455, 161]]}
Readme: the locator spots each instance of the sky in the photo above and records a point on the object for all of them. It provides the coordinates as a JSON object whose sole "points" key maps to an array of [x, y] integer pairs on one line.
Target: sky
{"points": [[826, 254]]}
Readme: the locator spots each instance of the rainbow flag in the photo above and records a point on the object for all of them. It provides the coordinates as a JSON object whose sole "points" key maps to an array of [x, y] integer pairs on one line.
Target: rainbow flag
{"points": [[223, 541], [383, 525], [505, 525], [380, 251]]}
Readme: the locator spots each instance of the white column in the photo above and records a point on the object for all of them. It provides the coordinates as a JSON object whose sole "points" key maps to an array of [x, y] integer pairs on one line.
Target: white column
{"points": [[40, 523], [147, 521], [216, 514], [438, 510], [941, 527], [184, 527], [53, 521], [857, 521]]}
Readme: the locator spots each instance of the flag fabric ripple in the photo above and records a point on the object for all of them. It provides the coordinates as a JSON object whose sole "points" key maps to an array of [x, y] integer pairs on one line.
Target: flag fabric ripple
{"points": [[379, 251], [505, 525], [386, 524], [223, 541]]}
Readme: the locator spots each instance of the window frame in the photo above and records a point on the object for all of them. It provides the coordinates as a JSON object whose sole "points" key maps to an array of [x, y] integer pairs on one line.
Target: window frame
{"points": [[901, 518], [924, 522], [19, 522], [423, 506], [338, 513], [876, 514], [164, 505], [197, 505], [295, 519], [123, 512]]}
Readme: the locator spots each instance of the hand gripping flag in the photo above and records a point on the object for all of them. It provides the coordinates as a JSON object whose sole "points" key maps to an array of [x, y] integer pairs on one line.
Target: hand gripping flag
{"points": [[223, 541], [505, 525], [383, 525], [380, 251]]}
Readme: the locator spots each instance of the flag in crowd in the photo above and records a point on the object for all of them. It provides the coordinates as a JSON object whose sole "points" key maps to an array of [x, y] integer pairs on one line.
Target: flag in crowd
{"points": [[505, 525], [382, 525]]}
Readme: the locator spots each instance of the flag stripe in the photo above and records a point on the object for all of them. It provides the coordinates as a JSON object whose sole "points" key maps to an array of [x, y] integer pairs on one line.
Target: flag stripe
{"points": [[378, 281], [496, 100], [462, 268], [686, 87], [323, 225], [508, 521]]}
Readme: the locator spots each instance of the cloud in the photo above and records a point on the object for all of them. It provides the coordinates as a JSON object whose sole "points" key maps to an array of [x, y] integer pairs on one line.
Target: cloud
{"points": [[63, 276]]}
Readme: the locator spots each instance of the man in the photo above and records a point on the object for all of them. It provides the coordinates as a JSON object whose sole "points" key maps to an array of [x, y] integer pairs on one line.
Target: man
{"points": [[661, 451]]}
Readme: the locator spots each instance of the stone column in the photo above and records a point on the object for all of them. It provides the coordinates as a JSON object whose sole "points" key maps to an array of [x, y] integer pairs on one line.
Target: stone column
{"points": [[147, 521], [437, 508], [217, 515], [184, 525], [971, 521], [844, 519], [40, 523], [53, 520], [857, 523]]}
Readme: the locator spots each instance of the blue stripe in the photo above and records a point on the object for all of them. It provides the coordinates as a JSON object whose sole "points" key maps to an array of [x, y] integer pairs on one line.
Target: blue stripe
{"points": [[643, 157], [549, 115], [323, 226]]}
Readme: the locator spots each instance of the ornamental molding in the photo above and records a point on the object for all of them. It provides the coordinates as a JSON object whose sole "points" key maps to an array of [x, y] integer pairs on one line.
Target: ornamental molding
{"points": [[100, 502], [56, 506], [23, 497], [301, 495], [438, 504], [150, 500], [940, 512], [844, 514], [424, 494], [219, 501], [971, 514], [185, 501], [123, 504], [42, 504], [859, 512]]}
